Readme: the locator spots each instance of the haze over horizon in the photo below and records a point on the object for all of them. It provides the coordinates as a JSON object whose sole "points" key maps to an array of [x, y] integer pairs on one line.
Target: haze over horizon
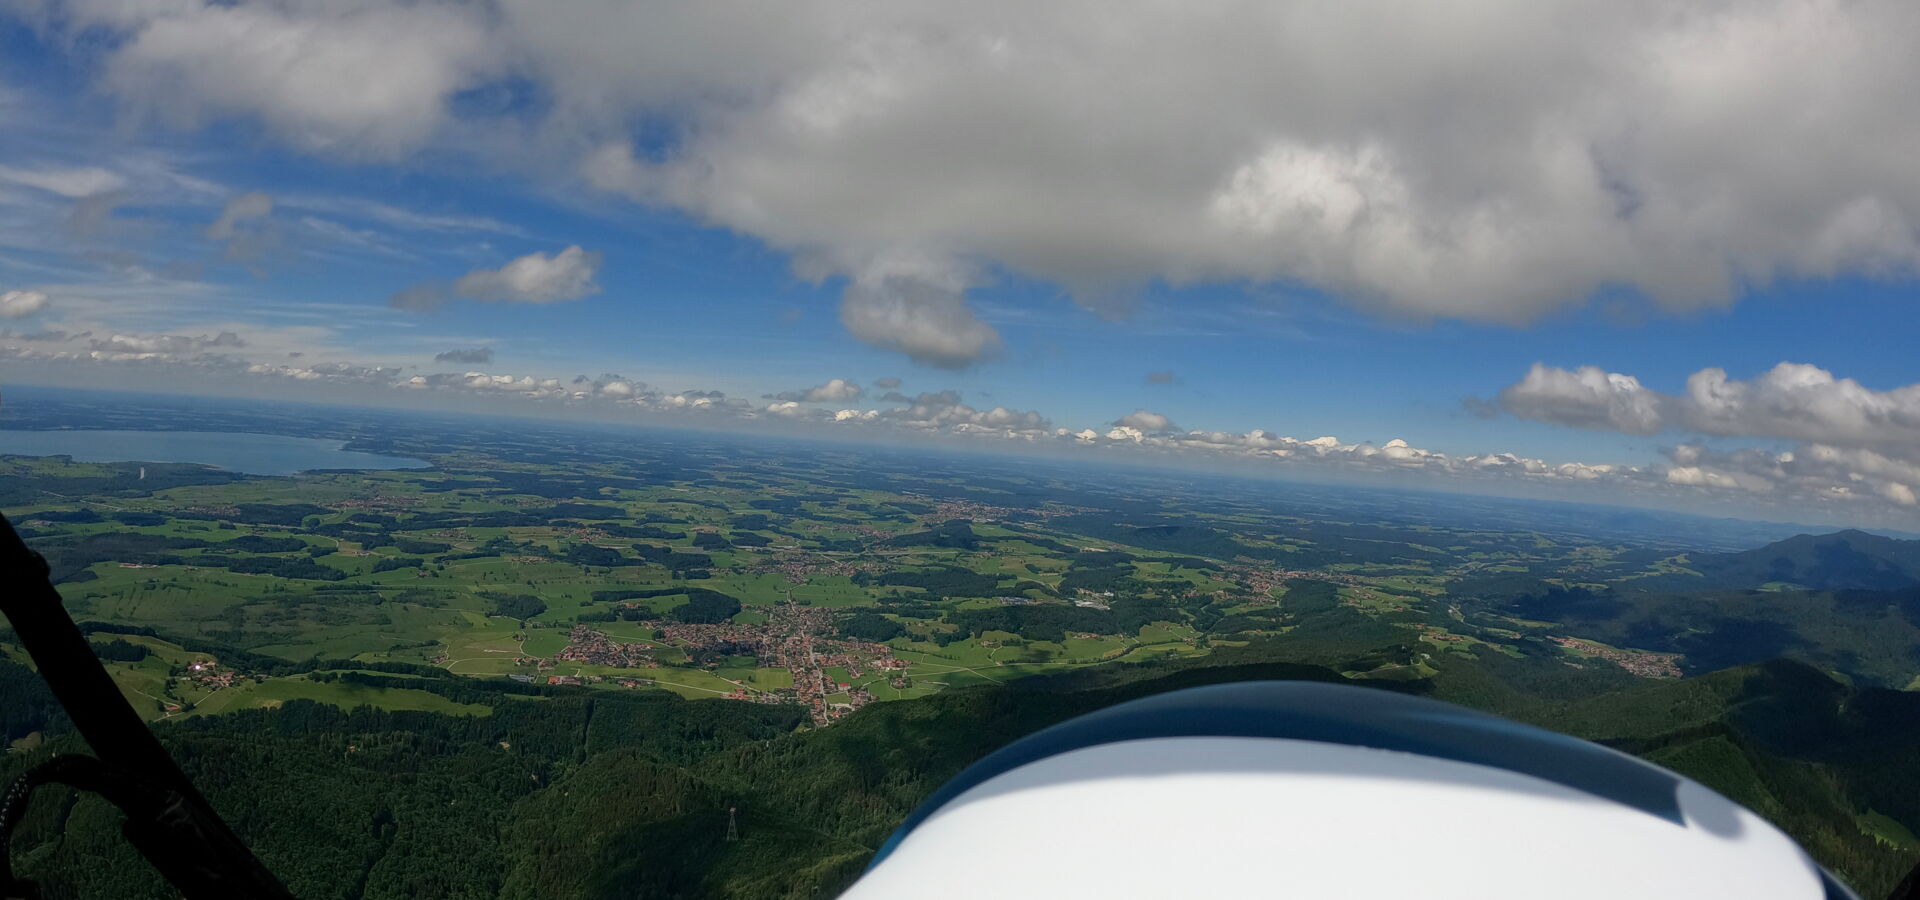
{"points": [[1579, 250]]}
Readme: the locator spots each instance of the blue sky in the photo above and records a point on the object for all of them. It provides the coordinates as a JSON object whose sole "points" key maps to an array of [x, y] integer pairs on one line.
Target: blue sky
{"points": [[639, 216]]}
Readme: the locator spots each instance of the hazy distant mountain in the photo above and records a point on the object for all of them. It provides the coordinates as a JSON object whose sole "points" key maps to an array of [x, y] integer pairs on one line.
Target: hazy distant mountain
{"points": [[1845, 559]]}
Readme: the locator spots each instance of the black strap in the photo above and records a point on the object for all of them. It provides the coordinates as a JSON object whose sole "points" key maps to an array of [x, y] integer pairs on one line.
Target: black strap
{"points": [[167, 819]]}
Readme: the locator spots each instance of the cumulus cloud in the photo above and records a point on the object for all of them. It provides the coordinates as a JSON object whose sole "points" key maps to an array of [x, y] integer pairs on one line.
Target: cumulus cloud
{"points": [[1589, 397], [1488, 164], [887, 384], [469, 356], [250, 205], [1791, 400], [929, 322], [336, 372], [1801, 401], [1148, 422], [534, 278], [1492, 163], [944, 411], [836, 390], [359, 79], [17, 304], [1856, 443], [165, 344]]}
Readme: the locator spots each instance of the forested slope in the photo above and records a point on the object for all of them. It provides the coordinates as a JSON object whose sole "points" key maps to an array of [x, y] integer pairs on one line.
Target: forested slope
{"points": [[598, 794]]}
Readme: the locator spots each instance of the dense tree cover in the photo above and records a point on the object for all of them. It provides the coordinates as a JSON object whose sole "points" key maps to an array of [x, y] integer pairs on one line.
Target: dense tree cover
{"points": [[84, 516], [871, 626], [421, 548], [68, 557], [259, 513], [120, 650], [1868, 635], [711, 540], [592, 555], [1036, 622], [1306, 596], [573, 510], [912, 607], [279, 566], [1130, 614], [957, 534], [1100, 579], [671, 558], [950, 581], [616, 596], [1843, 560], [622, 614], [516, 606], [706, 607], [370, 804], [591, 794], [392, 563], [1265, 619], [749, 539], [114, 480], [260, 543], [26, 704]]}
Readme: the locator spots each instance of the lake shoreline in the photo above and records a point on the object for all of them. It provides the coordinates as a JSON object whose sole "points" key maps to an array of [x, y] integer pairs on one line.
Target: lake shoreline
{"points": [[249, 453]]}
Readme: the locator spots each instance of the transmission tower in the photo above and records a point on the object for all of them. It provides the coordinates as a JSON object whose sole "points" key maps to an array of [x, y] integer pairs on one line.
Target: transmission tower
{"points": [[733, 825]]}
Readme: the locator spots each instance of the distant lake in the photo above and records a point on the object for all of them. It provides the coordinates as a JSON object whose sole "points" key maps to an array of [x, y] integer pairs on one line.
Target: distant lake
{"points": [[253, 454]]}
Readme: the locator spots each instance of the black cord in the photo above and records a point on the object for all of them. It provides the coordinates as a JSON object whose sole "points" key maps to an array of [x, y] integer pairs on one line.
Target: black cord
{"points": [[81, 772], [168, 821]]}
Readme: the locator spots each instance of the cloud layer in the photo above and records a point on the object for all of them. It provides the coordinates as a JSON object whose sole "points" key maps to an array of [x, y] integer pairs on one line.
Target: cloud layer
{"points": [[1867, 480], [1856, 441], [1791, 400], [1490, 162]]}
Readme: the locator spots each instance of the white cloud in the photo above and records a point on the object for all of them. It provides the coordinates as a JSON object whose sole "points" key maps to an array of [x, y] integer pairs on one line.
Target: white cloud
{"points": [[1493, 162], [834, 391], [1791, 400], [71, 182], [929, 322], [791, 409], [1801, 401], [250, 205], [356, 79], [1145, 421], [1589, 397], [944, 411], [534, 278], [17, 304], [1489, 163], [1840, 482]]}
